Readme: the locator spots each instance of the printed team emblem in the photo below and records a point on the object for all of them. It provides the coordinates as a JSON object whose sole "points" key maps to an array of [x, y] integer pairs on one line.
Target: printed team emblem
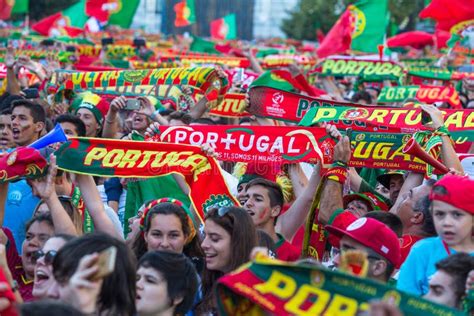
{"points": [[277, 99], [12, 158], [406, 138], [112, 6], [360, 137], [317, 278], [353, 114], [135, 75], [359, 21], [392, 297]]}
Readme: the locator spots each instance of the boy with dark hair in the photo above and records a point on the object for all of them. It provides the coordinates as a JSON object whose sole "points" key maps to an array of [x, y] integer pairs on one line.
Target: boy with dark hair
{"points": [[71, 125], [264, 204], [28, 121], [448, 285]]}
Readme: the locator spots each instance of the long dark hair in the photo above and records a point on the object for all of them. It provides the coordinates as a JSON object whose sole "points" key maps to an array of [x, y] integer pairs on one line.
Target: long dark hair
{"points": [[180, 274], [191, 249], [238, 223], [117, 295]]}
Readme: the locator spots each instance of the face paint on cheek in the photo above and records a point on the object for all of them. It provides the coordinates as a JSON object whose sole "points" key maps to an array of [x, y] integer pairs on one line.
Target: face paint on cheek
{"points": [[263, 214]]}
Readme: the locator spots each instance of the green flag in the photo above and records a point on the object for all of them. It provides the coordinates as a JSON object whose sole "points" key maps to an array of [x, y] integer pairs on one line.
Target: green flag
{"points": [[76, 14], [124, 16], [20, 6], [200, 45], [371, 18]]}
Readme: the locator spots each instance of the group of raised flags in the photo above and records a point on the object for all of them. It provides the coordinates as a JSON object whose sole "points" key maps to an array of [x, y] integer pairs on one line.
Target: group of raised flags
{"points": [[224, 28]]}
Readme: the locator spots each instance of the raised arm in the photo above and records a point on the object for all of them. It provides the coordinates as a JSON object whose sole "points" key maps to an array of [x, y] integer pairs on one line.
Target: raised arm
{"points": [[45, 189], [331, 196], [13, 86], [448, 154], [94, 205], [289, 222], [111, 119]]}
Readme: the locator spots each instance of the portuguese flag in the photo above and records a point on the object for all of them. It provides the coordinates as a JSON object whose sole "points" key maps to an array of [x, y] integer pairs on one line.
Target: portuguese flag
{"points": [[361, 27], [116, 12], [224, 28], [185, 13], [68, 22], [370, 22]]}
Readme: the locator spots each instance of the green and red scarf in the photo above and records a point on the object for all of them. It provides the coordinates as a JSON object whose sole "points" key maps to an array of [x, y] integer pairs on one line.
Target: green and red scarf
{"points": [[200, 77], [368, 69], [426, 94], [274, 287], [107, 157]]}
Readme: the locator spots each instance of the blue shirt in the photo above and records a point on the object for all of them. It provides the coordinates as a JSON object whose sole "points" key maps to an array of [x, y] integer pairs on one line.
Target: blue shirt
{"points": [[419, 266], [19, 209]]}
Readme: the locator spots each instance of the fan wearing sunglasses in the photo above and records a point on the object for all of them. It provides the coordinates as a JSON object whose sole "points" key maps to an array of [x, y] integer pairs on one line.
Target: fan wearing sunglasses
{"points": [[43, 258]]}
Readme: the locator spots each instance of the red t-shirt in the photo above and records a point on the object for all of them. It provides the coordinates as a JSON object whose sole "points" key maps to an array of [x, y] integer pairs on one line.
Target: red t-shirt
{"points": [[286, 251], [407, 242], [18, 273]]}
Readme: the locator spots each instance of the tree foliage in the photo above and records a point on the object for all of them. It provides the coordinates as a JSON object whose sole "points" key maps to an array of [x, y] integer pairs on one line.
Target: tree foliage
{"points": [[313, 14]]}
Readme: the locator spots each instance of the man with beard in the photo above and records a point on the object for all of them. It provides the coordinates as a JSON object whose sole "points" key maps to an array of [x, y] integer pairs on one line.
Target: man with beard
{"points": [[264, 202], [27, 121]]}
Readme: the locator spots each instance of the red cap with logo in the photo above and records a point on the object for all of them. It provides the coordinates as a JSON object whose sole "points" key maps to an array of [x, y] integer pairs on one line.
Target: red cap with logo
{"points": [[455, 190], [374, 235]]}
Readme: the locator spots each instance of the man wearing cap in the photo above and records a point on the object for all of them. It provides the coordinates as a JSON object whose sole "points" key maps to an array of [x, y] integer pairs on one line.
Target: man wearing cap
{"points": [[360, 204], [452, 200], [393, 181], [28, 121], [375, 239], [91, 110]]}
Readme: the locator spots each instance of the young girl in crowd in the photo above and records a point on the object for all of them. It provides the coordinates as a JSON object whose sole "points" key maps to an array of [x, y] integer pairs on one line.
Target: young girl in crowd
{"points": [[74, 266], [166, 284], [230, 236], [166, 225], [453, 212], [44, 264]]}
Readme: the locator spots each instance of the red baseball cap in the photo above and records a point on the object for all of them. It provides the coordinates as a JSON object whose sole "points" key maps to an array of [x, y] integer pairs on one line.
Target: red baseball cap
{"points": [[24, 162], [373, 202], [455, 190], [374, 235]]}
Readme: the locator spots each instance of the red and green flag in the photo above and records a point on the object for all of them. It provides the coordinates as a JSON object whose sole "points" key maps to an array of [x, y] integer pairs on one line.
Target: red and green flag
{"points": [[185, 13], [361, 27], [68, 22], [370, 18], [224, 28], [117, 12]]}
